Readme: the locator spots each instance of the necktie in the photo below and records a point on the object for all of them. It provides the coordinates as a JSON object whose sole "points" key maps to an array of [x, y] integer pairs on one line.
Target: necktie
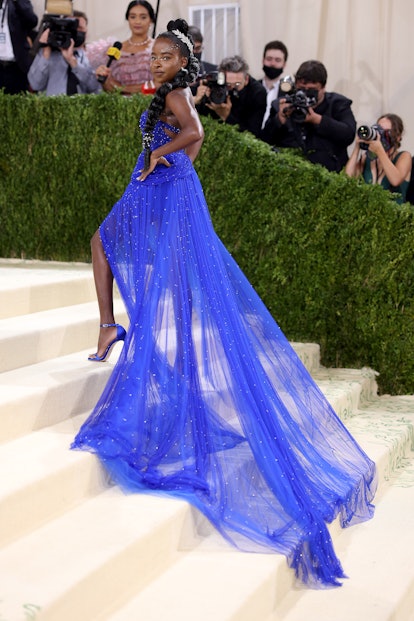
{"points": [[72, 82]]}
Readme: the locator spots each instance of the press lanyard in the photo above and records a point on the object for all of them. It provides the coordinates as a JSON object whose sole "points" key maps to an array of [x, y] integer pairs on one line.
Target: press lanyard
{"points": [[3, 5], [3, 13]]}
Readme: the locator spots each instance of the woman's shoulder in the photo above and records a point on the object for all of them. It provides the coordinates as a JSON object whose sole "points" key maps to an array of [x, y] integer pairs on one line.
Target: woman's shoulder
{"points": [[97, 51], [404, 153], [402, 156], [180, 93]]}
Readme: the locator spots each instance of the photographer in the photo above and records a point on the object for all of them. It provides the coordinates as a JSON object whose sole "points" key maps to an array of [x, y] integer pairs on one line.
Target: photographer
{"points": [[275, 57], [376, 156], [198, 39], [61, 66], [321, 124], [241, 99], [17, 20]]}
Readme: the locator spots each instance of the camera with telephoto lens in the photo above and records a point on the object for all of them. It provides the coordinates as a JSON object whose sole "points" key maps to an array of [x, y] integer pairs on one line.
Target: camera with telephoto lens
{"points": [[371, 132], [216, 82], [300, 100]]}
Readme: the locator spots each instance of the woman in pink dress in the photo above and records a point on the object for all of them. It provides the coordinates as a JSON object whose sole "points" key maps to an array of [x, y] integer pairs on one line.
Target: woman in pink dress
{"points": [[132, 70]]}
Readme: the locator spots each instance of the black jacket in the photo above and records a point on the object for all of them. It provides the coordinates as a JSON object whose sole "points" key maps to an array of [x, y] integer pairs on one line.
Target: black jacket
{"points": [[206, 67], [22, 20], [324, 144], [247, 109]]}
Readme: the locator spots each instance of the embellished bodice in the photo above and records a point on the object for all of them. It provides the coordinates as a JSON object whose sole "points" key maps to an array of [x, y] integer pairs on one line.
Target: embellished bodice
{"points": [[181, 164]]}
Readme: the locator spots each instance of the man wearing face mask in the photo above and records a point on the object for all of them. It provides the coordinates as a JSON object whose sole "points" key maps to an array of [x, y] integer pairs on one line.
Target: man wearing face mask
{"points": [[198, 88], [275, 56], [323, 130], [245, 103], [64, 70], [198, 40]]}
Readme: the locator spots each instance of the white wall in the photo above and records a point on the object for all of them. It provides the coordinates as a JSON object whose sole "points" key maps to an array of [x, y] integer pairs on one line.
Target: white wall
{"points": [[365, 45]]}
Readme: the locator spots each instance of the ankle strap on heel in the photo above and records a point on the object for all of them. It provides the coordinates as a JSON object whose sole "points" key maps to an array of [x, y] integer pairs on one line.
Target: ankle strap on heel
{"points": [[108, 325]]}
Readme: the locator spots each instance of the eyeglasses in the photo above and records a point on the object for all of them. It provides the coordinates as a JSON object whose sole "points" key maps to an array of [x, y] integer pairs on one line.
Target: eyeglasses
{"points": [[232, 85]]}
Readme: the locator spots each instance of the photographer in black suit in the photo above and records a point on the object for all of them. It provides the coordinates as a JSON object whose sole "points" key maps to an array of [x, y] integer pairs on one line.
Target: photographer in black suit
{"points": [[198, 88], [17, 21], [322, 124], [238, 100]]}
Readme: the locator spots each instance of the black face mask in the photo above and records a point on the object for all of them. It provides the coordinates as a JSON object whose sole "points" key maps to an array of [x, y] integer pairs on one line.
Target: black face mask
{"points": [[198, 55], [272, 72]]}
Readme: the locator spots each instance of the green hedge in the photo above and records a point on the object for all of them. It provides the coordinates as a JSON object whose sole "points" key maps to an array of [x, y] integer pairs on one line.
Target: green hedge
{"points": [[331, 257]]}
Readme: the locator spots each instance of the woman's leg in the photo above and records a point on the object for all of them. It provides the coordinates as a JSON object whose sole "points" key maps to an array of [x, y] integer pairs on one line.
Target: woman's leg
{"points": [[104, 290]]}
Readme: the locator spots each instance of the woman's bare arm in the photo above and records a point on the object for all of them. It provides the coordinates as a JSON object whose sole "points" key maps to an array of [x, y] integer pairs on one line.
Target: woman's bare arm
{"points": [[191, 134]]}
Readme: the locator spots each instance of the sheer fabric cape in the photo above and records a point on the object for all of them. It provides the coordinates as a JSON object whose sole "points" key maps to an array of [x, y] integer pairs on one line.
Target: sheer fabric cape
{"points": [[208, 401]]}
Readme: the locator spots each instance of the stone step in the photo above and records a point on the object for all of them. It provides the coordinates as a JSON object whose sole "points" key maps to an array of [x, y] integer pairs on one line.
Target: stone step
{"points": [[46, 468], [47, 392], [42, 478], [206, 584], [73, 547], [28, 339], [235, 586], [33, 286], [48, 479], [387, 438], [118, 566], [92, 558], [377, 556], [348, 388], [43, 394]]}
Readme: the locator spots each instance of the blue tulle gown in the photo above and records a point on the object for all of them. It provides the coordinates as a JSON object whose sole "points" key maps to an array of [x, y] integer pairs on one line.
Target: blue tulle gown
{"points": [[208, 401]]}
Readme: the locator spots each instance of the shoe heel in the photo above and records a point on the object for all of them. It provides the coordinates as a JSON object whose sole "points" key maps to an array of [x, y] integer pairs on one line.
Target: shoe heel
{"points": [[120, 336]]}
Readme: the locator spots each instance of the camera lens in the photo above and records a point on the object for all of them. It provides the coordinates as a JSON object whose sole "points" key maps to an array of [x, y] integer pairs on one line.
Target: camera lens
{"points": [[365, 132]]}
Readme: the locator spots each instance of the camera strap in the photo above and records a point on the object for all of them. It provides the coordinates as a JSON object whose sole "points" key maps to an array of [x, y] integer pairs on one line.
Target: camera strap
{"points": [[300, 137]]}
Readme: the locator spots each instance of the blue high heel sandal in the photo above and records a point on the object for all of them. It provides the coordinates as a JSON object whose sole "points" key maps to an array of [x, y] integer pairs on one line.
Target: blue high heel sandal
{"points": [[120, 336]]}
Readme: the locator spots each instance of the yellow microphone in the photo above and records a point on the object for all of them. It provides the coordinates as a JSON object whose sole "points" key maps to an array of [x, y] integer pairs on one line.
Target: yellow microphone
{"points": [[114, 53]]}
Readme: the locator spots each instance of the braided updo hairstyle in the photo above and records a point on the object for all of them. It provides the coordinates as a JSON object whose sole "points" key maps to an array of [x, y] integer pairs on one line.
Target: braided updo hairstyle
{"points": [[182, 79]]}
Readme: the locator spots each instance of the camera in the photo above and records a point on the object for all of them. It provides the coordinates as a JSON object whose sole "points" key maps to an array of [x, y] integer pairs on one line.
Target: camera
{"points": [[61, 31], [62, 26], [371, 132], [216, 81], [300, 100]]}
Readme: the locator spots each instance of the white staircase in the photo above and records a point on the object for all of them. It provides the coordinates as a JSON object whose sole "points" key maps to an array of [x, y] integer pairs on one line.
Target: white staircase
{"points": [[74, 548]]}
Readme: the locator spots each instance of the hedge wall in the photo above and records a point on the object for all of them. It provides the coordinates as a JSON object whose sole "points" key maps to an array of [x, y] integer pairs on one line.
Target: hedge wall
{"points": [[331, 257]]}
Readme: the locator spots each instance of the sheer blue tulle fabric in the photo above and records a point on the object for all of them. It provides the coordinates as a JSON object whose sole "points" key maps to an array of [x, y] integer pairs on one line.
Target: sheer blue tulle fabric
{"points": [[208, 401]]}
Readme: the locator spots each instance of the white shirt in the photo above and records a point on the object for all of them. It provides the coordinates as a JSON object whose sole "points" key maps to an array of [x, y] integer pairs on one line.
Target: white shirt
{"points": [[272, 94], [6, 47]]}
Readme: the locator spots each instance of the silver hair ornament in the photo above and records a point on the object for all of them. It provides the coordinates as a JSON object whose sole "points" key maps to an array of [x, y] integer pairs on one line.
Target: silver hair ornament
{"points": [[180, 35]]}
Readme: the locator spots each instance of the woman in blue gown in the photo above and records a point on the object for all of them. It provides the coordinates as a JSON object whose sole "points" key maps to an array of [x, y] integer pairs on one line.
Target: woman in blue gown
{"points": [[208, 402]]}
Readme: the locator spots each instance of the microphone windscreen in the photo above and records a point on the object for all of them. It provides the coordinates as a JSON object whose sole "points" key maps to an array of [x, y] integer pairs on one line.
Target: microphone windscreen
{"points": [[115, 50]]}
